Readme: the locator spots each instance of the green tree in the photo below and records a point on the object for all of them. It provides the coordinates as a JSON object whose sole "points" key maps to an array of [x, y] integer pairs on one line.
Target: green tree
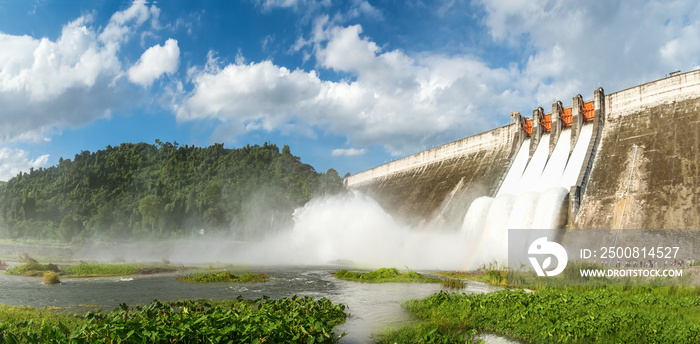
{"points": [[151, 207], [112, 192], [68, 228]]}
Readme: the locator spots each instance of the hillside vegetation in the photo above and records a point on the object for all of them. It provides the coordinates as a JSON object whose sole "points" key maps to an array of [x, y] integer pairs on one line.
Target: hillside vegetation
{"points": [[161, 190]]}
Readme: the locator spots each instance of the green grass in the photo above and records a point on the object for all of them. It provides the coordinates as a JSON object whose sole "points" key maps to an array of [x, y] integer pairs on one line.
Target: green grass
{"points": [[559, 315], [94, 270], [225, 276], [32, 269], [288, 320], [491, 274], [385, 275], [36, 269], [452, 283]]}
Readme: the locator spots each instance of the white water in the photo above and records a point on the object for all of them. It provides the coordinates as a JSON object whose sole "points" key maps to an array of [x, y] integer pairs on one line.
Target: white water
{"points": [[573, 168], [534, 168], [551, 177], [512, 180], [353, 228], [536, 200]]}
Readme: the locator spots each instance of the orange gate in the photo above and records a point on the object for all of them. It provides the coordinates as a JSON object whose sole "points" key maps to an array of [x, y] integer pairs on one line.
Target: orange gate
{"points": [[546, 122], [588, 111], [527, 126], [566, 116]]}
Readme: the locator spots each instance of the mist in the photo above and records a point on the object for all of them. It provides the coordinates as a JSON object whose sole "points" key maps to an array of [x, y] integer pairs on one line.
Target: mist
{"points": [[352, 229], [349, 229]]}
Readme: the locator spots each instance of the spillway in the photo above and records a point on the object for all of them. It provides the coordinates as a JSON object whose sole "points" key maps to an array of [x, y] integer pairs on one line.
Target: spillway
{"points": [[552, 174], [533, 193], [534, 168], [577, 157], [512, 180]]}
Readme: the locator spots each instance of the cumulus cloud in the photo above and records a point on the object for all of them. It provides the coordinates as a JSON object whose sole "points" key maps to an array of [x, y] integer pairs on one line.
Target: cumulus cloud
{"points": [[293, 4], [123, 22], [578, 45], [154, 62], [14, 161], [73, 80], [348, 152], [402, 102]]}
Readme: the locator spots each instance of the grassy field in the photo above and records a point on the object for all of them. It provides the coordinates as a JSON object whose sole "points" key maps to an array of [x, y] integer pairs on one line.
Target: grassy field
{"points": [[557, 315], [288, 320], [225, 276], [385, 275]]}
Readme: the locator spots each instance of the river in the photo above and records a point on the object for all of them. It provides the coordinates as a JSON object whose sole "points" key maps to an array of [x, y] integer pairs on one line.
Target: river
{"points": [[372, 307]]}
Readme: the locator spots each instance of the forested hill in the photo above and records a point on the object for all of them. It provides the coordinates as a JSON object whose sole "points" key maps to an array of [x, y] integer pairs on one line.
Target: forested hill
{"points": [[161, 190]]}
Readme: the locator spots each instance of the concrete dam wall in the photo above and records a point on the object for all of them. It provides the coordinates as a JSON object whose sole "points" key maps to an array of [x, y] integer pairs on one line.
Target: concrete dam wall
{"points": [[443, 181], [660, 120]]}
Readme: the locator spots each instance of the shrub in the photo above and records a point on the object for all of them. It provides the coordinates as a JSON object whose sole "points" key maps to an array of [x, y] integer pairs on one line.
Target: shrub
{"points": [[51, 278]]}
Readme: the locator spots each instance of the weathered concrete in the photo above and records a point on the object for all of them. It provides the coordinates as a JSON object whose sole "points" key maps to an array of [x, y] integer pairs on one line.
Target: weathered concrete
{"points": [[537, 129], [576, 120], [443, 181], [576, 192], [663, 119], [557, 126]]}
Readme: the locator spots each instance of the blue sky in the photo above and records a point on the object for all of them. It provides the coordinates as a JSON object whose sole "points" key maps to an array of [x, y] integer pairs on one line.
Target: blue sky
{"points": [[347, 84]]}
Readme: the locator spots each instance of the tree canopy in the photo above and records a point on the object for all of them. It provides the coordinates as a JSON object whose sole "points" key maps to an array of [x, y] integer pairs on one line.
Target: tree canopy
{"points": [[161, 190]]}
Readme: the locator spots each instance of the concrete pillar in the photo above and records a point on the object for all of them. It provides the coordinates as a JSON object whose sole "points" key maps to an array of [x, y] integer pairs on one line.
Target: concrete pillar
{"points": [[578, 191], [521, 134], [576, 120], [557, 125], [599, 106], [537, 129]]}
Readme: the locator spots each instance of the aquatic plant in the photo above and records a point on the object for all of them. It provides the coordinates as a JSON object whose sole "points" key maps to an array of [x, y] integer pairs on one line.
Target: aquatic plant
{"points": [[51, 278], [225, 276], [452, 283], [35, 269], [288, 320], [490, 273], [385, 275], [96, 269], [562, 315], [32, 268]]}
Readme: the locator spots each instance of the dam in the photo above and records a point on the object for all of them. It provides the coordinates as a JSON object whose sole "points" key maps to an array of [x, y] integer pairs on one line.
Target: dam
{"points": [[626, 159]]}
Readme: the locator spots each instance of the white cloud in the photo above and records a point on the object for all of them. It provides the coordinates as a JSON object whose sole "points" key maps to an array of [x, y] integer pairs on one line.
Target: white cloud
{"points": [[45, 84], [402, 102], [576, 46], [348, 152], [14, 161], [293, 4], [154, 62], [123, 22]]}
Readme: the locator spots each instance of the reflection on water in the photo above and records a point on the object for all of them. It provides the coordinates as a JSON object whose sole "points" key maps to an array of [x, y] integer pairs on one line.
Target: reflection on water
{"points": [[373, 307]]}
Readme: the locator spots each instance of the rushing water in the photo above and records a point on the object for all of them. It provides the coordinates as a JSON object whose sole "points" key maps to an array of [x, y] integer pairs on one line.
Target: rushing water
{"points": [[372, 307]]}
